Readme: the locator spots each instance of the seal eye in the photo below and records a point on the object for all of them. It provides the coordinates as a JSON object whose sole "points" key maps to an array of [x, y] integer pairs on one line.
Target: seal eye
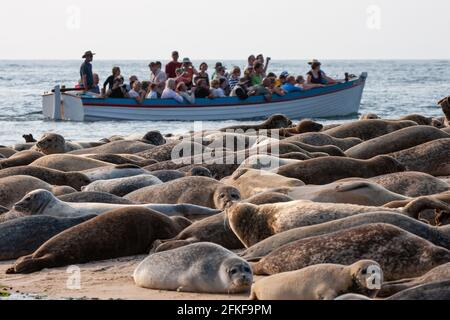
{"points": [[247, 269], [364, 271], [222, 195], [233, 271]]}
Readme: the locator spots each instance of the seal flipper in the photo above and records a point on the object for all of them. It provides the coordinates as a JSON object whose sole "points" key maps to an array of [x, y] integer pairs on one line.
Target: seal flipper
{"points": [[28, 264], [350, 186]]}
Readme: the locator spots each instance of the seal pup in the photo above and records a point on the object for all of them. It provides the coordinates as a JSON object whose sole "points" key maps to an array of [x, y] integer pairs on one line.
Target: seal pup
{"points": [[115, 147], [13, 188], [75, 180], [21, 158], [42, 202], [24, 235], [320, 282], [368, 129], [122, 186], [68, 162], [396, 141], [199, 267], [399, 253], [330, 169], [213, 229], [440, 273], [200, 191], [439, 290], [95, 197], [119, 233], [431, 157], [52, 143], [114, 172]]}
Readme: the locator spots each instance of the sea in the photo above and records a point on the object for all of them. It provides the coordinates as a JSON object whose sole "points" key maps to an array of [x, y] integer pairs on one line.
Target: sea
{"points": [[394, 88]]}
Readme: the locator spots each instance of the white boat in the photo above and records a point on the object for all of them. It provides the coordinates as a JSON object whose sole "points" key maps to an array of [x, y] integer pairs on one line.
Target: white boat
{"points": [[342, 99]]}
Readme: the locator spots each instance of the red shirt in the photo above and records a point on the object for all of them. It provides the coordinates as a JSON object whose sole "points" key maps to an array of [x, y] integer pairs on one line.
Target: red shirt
{"points": [[171, 67]]}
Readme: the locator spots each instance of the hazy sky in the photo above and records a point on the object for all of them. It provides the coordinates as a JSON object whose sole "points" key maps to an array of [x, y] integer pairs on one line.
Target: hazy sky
{"points": [[227, 29]]}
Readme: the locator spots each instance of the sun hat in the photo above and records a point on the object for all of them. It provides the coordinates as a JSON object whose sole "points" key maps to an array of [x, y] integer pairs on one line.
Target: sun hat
{"points": [[87, 54], [186, 60], [284, 74]]}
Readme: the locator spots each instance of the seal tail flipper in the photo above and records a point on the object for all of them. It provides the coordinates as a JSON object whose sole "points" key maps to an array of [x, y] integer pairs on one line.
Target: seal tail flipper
{"points": [[415, 207], [28, 264]]}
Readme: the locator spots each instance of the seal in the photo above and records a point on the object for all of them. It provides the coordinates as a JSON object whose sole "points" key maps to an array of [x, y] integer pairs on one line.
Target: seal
{"points": [[396, 141], [23, 146], [119, 233], [445, 105], [250, 182], [52, 143], [439, 290], [114, 172], [29, 138], [352, 296], [431, 157], [368, 129], [21, 158], [12, 189], [266, 162], [123, 146], [296, 146], [75, 180], [369, 116], [213, 229], [399, 253], [320, 282], [23, 236], [200, 191], [268, 197], [252, 223], [42, 202], [119, 159], [440, 273], [276, 121], [94, 197], [322, 139], [197, 171], [330, 169], [440, 236], [199, 267], [168, 175], [181, 149], [68, 162], [364, 193], [7, 152], [122, 186], [304, 126], [211, 170]]}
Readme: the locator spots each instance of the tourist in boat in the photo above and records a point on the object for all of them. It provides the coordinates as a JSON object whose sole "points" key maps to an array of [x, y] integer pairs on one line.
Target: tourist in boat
{"points": [[183, 92], [202, 89], [188, 73], [317, 76], [262, 89], [216, 90], [257, 75], [86, 75], [265, 63], [131, 80], [107, 85], [222, 77], [234, 77], [202, 74], [152, 92], [118, 89], [281, 79], [251, 61], [290, 85], [96, 88], [173, 65], [301, 83], [170, 93], [136, 92], [158, 77]]}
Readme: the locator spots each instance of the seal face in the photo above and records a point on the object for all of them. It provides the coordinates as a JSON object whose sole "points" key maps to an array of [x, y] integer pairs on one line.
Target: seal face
{"points": [[200, 267]]}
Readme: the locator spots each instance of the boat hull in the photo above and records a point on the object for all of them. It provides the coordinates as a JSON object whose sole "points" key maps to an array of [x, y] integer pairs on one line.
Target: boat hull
{"points": [[339, 100]]}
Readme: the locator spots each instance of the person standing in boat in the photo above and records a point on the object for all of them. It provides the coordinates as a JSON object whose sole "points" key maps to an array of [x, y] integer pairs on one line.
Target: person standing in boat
{"points": [[317, 76], [173, 65], [86, 75]]}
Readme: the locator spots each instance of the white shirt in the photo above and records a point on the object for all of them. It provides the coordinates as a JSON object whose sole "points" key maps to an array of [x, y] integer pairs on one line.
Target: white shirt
{"points": [[133, 94], [159, 77], [218, 93], [152, 95], [170, 94]]}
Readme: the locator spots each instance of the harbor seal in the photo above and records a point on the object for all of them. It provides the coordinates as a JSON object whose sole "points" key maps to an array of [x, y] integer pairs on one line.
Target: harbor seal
{"points": [[320, 282], [94, 197], [445, 105], [368, 129], [42, 202], [29, 138], [23, 236], [439, 236], [119, 159], [75, 180], [200, 191], [322, 139], [12, 189], [250, 182], [114, 172], [199, 267], [213, 229], [122, 186], [330, 169], [439, 290], [396, 141], [399, 253], [304, 126], [266, 162], [52, 143], [268, 197], [276, 121], [7, 152], [212, 170], [252, 223], [115, 147], [119, 233], [440, 273], [168, 175], [431, 157], [68, 162], [21, 158]]}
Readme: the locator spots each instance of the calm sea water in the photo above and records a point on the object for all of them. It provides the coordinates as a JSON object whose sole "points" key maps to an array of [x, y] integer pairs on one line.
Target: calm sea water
{"points": [[394, 88]]}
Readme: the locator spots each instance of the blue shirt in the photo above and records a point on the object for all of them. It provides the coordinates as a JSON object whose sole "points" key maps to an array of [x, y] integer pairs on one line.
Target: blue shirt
{"points": [[86, 70], [289, 87]]}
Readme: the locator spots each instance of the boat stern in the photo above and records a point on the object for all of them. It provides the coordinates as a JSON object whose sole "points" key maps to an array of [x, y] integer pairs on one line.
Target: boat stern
{"points": [[57, 105]]}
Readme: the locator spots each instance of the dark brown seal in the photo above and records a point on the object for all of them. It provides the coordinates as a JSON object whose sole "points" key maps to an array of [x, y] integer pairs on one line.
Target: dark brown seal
{"points": [[276, 121], [123, 232]]}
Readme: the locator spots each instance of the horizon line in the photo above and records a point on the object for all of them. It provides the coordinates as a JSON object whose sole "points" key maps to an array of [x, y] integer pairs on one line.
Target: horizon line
{"points": [[219, 59]]}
